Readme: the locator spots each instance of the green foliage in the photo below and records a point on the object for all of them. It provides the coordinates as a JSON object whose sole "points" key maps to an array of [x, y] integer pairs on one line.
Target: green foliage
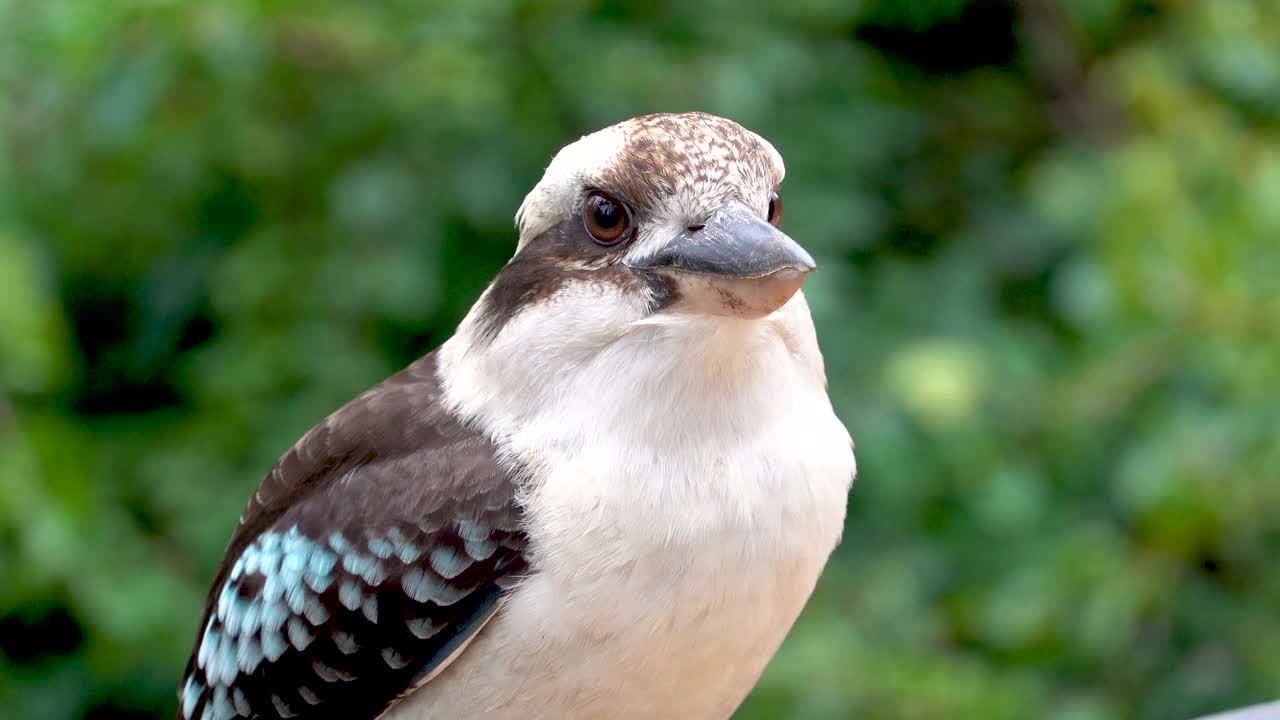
{"points": [[1049, 247]]}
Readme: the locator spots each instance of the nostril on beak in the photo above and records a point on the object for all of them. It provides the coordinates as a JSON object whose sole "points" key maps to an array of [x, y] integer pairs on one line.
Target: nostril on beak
{"points": [[696, 228]]}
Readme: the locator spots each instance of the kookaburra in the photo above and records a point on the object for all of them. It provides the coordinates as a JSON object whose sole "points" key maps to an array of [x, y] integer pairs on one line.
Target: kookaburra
{"points": [[608, 495]]}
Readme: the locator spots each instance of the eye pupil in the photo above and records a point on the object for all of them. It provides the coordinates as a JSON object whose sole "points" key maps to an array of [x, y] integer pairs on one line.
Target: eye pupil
{"points": [[606, 218], [606, 213], [775, 210]]}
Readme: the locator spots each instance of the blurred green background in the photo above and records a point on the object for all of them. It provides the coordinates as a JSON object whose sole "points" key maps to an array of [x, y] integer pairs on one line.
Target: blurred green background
{"points": [[1049, 300]]}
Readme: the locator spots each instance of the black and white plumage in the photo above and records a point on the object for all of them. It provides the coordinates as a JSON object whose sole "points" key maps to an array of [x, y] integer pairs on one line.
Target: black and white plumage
{"points": [[608, 495]]}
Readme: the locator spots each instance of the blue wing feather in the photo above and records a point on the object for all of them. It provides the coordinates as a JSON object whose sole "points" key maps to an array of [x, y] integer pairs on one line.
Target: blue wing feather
{"points": [[372, 551]]}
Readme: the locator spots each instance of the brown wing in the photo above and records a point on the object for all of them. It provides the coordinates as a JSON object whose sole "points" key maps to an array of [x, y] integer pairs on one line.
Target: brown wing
{"points": [[371, 551]]}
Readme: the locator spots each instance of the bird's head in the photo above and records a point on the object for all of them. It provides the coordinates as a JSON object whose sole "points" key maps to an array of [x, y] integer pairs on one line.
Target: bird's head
{"points": [[670, 214]]}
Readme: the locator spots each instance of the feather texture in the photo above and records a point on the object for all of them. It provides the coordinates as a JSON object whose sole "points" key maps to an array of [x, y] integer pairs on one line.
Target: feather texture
{"points": [[374, 548]]}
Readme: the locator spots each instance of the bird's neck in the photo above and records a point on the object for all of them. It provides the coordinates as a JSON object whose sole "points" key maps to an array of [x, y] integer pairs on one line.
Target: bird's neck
{"points": [[657, 376]]}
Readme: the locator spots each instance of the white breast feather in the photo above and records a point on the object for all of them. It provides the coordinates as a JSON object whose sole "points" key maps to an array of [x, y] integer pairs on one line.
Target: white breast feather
{"points": [[688, 484]]}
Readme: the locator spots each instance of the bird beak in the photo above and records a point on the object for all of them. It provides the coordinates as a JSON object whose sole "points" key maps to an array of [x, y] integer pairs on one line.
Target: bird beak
{"points": [[736, 264]]}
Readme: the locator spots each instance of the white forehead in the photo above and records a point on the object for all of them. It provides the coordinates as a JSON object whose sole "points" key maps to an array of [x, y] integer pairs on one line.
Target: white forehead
{"points": [[554, 197], [672, 164]]}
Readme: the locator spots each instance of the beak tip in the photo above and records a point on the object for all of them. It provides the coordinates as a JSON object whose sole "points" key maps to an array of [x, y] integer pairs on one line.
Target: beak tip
{"points": [[804, 261]]}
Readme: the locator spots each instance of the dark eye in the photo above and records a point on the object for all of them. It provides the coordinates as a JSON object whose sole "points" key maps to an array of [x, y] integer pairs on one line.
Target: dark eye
{"points": [[605, 217], [775, 209]]}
